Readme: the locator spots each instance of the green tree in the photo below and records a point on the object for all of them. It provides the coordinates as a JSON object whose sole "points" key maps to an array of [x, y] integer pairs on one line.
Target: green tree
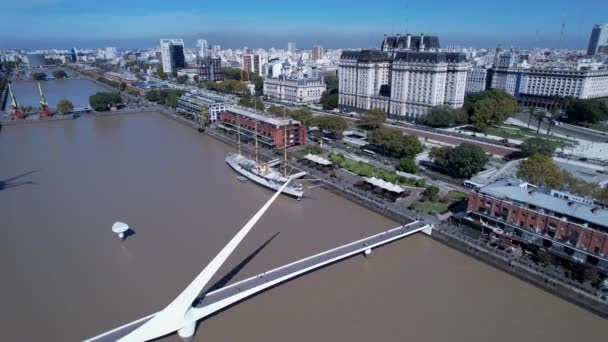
{"points": [[329, 99], [160, 72], [331, 82], [122, 86], [489, 107], [394, 142], [39, 76], [303, 115], [540, 170], [440, 155], [103, 101], [538, 145], [182, 79], [373, 118], [333, 124], [431, 193], [232, 74], [585, 111], [408, 165], [442, 116], [64, 106], [153, 95], [258, 81], [465, 160], [60, 73], [276, 110], [252, 102]]}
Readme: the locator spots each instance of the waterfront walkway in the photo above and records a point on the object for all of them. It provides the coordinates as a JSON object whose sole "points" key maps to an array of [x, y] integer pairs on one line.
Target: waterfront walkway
{"points": [[211, 302]]}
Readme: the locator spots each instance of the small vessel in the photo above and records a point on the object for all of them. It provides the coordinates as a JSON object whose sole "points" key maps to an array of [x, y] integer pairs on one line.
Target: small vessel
{"points": [[261, 173]]}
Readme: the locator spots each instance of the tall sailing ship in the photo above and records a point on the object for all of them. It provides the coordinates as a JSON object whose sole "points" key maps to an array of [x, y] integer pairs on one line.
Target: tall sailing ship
{"points": [[261, 173]]}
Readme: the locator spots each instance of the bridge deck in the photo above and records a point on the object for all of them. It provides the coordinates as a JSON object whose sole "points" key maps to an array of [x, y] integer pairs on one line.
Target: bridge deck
{"points": [[218, 299], [312, 262]]}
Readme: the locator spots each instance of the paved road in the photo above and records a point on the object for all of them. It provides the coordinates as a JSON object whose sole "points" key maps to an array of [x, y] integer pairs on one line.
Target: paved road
{"points": [[263, 281], [566, 129], [429, 133]]}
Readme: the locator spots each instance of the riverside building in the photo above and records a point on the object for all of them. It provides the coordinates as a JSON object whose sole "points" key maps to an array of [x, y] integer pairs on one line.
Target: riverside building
{"points": [[197, 104], [563, 224], [271, 131]]}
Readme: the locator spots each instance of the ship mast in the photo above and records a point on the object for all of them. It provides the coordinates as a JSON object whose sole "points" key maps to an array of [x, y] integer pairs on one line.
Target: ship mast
{"points": [[256, 141], [238, 130], [285, 144]]}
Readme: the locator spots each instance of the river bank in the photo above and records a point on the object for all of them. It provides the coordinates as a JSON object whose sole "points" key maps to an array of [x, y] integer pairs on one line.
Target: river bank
{"points": [[591, 302]]}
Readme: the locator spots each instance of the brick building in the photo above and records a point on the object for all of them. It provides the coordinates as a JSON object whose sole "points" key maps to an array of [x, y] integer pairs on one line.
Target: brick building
{"points": [[562, 224], [271, 131]]}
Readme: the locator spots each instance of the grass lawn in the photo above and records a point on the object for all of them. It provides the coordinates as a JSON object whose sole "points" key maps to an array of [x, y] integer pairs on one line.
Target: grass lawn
{"points": [[430, 207], [455, 196], [299, 154], [508, 131], [367, 170], [599, 127]]}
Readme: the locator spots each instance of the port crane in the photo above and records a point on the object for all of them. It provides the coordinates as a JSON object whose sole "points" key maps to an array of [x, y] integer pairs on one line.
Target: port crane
{"points": [[44, 106], [16, 113]]}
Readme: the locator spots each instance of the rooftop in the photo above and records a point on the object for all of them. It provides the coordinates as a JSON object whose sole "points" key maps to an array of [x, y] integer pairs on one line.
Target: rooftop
{"points": [[512, 190], [384, 184], [261, 117]]}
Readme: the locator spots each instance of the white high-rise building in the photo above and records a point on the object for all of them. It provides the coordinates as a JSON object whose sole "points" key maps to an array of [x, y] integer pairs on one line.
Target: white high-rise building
{"points": [[203, 48], [405, 84], [170, 53], [291, 47], [598, 39]]}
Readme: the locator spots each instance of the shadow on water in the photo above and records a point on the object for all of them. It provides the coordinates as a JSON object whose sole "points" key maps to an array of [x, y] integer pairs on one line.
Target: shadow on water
{"points": [[233, 272], [13, 182]]}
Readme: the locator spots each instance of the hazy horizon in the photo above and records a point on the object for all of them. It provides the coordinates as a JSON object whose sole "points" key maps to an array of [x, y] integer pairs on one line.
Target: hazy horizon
{"points": [[45, 24]]}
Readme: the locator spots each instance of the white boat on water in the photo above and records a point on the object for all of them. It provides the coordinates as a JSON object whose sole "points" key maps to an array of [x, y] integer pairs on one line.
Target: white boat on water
{"points": [[263, 175]]}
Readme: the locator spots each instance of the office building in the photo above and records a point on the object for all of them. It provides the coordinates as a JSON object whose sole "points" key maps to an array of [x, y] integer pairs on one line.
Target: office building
{"points": [[197, 104], [272, 132], [303, 90], [317, 53], [598, 39], [203, 48], [542, 86], [291, 47], [210, 69], [172, 54], [477, 79], [405, 80], [73, 55], [563, 224], [253, 63]]}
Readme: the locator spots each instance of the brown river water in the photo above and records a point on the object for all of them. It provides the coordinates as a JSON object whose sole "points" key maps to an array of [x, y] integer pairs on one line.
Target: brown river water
{"points": [[66, 276]]}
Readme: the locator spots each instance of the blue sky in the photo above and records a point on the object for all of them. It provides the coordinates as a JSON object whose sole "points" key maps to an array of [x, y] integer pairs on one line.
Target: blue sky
{"points": [[331, 23]]}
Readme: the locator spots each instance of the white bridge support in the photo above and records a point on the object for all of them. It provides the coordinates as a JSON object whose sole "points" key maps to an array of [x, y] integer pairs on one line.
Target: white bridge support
{"points": [[176, 317]]}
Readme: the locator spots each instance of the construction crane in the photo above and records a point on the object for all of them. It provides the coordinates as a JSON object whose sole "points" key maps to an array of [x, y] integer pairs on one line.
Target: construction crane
{"points": [[44, 106], [16, 114]]}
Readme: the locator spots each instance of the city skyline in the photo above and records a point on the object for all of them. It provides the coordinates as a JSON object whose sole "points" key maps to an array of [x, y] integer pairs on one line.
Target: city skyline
{"points": [[38, 24]]}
